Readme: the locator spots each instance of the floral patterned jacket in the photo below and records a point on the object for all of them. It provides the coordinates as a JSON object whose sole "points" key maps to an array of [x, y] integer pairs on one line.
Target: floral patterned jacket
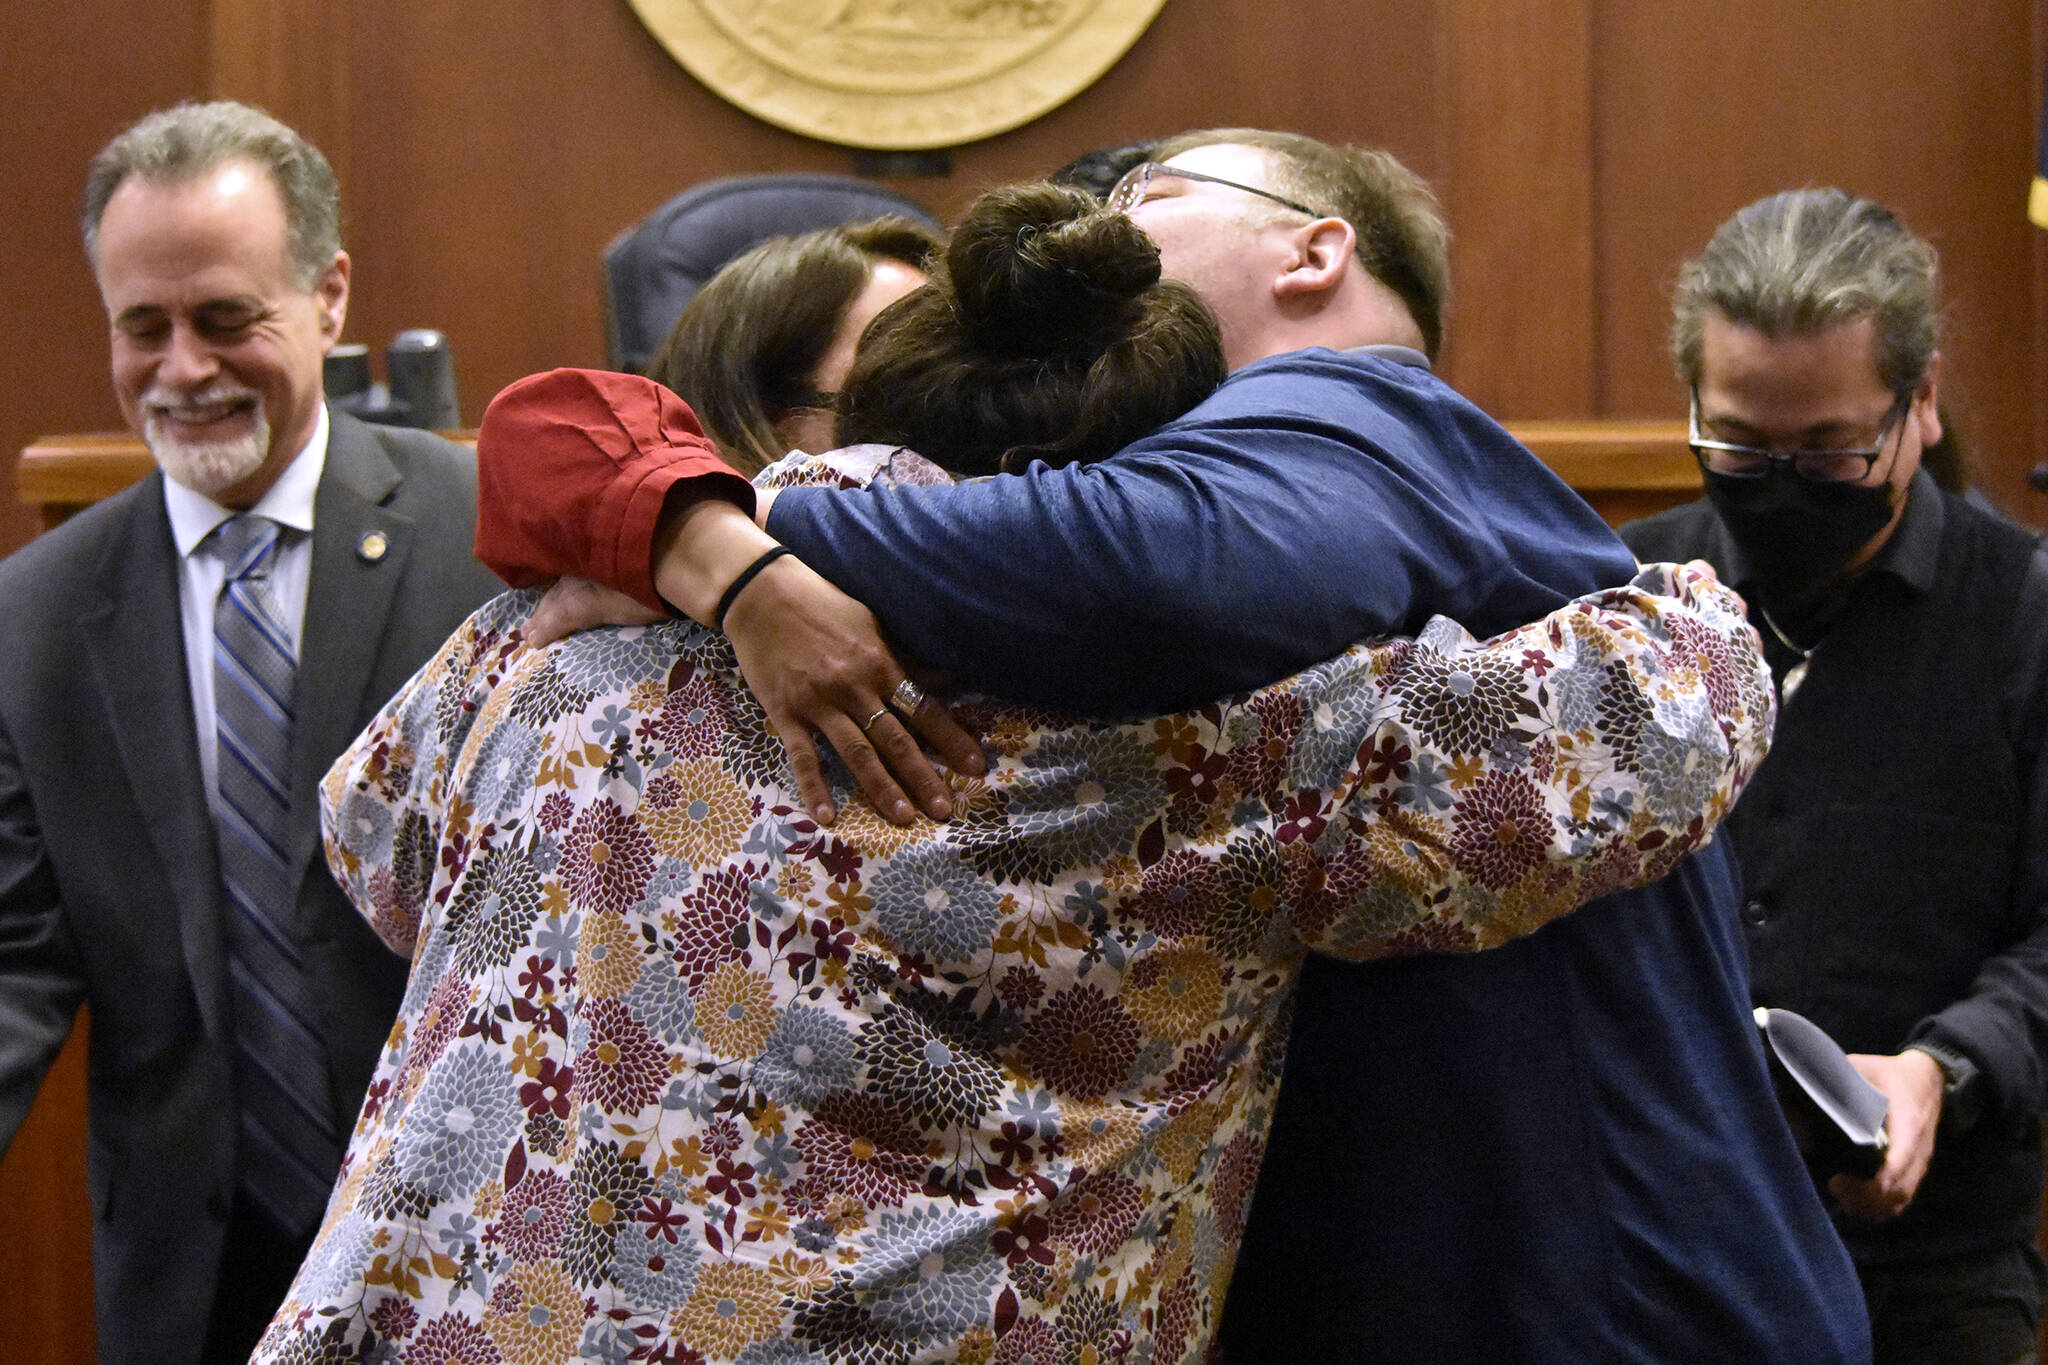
{"points": [[682, 1076]]}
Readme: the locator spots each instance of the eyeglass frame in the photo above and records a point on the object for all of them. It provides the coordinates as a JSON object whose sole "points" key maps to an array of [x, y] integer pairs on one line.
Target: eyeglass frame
{"points": [[1893, 422], [1120, 200]]}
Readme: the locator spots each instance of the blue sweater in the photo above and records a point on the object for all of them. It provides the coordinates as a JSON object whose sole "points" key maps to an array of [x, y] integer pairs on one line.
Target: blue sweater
{"points": [[1562, 1150], [1315, 499]]}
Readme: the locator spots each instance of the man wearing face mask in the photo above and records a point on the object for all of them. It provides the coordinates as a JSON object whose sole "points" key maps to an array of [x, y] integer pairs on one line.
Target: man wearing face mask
{"points": [[1894, 845]]}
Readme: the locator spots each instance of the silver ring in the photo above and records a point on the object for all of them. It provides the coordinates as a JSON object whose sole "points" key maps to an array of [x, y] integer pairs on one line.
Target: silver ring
{"points": [[881, 712], [907, 697]]}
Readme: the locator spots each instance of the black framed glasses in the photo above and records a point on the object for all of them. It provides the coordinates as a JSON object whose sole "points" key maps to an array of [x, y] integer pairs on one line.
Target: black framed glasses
{"points": [[1733, 461], [1129, 192]]}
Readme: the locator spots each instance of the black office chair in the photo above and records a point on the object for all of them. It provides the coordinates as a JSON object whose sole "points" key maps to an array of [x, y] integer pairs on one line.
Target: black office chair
{"points": [[651, 270]]}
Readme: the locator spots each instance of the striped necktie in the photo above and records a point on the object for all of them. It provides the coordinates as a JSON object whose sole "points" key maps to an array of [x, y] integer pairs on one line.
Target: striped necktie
{"points": [[289, 1145]]}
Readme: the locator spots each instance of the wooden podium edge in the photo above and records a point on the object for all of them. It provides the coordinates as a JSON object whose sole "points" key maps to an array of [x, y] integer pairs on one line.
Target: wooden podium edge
{"points": [[1632, 465]]}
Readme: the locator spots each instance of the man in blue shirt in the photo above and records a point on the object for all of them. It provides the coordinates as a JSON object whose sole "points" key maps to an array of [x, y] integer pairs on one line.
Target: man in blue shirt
{"points": [[1565, 1151]]}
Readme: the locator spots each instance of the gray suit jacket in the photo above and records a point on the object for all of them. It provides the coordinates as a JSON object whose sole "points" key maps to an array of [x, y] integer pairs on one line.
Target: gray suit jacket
{"points": [[108, 885]]}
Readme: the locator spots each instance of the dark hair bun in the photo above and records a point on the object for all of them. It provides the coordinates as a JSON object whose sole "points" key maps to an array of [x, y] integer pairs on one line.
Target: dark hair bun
{"points": [[1041, 267]]}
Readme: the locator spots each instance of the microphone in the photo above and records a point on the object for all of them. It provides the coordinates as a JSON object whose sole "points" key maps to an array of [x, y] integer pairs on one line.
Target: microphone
{"points": [[422, 374], [421, 391], [346, 374]]}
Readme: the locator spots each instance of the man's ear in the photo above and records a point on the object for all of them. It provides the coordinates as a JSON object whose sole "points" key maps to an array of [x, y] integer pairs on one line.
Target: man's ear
{"points": [[330, 296], [1926, 402], [1322, 253]]}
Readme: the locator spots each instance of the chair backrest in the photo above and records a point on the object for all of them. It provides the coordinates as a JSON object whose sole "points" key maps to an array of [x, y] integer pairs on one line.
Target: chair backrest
{"points": [[652, 269]]}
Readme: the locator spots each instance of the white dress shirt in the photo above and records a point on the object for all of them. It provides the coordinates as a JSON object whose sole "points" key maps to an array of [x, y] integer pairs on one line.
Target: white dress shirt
{"points": [[289, 502]]}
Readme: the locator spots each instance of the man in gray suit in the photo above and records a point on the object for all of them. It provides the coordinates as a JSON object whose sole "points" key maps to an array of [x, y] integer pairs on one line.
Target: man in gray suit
{"points": [[178, 666]]}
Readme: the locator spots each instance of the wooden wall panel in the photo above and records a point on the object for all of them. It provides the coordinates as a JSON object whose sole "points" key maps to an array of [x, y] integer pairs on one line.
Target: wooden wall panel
{"points": [[46, 1249], [1519, 190], [289, 57]]}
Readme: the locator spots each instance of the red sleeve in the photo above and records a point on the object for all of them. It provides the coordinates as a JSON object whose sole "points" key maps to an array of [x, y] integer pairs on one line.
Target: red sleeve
{"points": [[573, 467]]}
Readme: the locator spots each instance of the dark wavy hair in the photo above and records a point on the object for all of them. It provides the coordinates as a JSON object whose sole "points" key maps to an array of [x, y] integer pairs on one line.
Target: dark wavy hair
{"points": [[1046, 334], [745, 347]]}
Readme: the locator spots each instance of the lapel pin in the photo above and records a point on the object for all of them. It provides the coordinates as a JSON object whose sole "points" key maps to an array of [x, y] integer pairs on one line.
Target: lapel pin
{"points": [[372, 546]]}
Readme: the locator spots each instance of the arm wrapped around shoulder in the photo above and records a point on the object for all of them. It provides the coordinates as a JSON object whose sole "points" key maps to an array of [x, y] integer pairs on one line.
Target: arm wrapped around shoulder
{"points": [[1440, 794], [1503, 783]]}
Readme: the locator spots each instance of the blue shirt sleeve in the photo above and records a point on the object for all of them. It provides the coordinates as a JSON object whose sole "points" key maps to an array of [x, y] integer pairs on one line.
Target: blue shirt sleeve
{"points": [[1312, 502]]}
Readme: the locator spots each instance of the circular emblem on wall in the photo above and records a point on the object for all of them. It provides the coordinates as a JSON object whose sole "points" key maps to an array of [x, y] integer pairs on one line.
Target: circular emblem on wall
{"points": [[897, 74]]}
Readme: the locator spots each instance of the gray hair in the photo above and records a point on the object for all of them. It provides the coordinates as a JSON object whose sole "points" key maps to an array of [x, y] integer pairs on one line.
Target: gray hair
{"points": [[180, 144], [1809, 259]]}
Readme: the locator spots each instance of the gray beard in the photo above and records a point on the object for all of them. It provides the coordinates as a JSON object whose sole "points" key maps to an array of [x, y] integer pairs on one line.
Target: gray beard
{"points": [[208, 468]]}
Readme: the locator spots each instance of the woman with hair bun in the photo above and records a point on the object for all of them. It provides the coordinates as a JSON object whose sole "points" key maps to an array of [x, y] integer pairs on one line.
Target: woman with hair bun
{"points": [[1045, 334]]}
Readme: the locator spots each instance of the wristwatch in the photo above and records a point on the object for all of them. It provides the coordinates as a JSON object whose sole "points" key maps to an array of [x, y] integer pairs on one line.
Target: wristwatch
{"points": [[1962, 1089]]}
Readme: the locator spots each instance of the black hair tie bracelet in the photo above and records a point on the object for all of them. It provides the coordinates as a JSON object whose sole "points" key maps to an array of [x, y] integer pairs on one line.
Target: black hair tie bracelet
{"points": [[746, 576]]}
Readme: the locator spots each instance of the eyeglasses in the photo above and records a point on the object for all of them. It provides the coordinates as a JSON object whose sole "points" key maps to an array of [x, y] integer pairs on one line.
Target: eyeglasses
{"points": [[1129, 192], [1818, 466]]}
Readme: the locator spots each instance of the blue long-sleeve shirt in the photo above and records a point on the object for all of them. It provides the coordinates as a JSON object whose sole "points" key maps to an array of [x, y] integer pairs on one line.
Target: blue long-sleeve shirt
{"points": [[1315, 499], [1562, 1150]]}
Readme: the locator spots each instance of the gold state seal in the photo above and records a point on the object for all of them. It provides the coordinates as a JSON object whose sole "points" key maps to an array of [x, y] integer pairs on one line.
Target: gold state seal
{"points": [[897, 74]]}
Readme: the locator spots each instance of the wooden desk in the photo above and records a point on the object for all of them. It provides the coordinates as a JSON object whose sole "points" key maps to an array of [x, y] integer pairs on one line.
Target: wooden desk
{"points": [[63, 475], [1624, 468]]}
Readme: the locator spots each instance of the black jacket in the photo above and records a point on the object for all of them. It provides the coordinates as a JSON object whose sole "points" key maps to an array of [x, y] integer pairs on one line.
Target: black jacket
{"points": [[1894, 846]]}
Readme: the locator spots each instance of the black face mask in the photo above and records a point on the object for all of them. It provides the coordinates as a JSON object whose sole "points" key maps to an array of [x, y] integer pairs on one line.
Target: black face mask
{"points": [[1797, 534]]}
